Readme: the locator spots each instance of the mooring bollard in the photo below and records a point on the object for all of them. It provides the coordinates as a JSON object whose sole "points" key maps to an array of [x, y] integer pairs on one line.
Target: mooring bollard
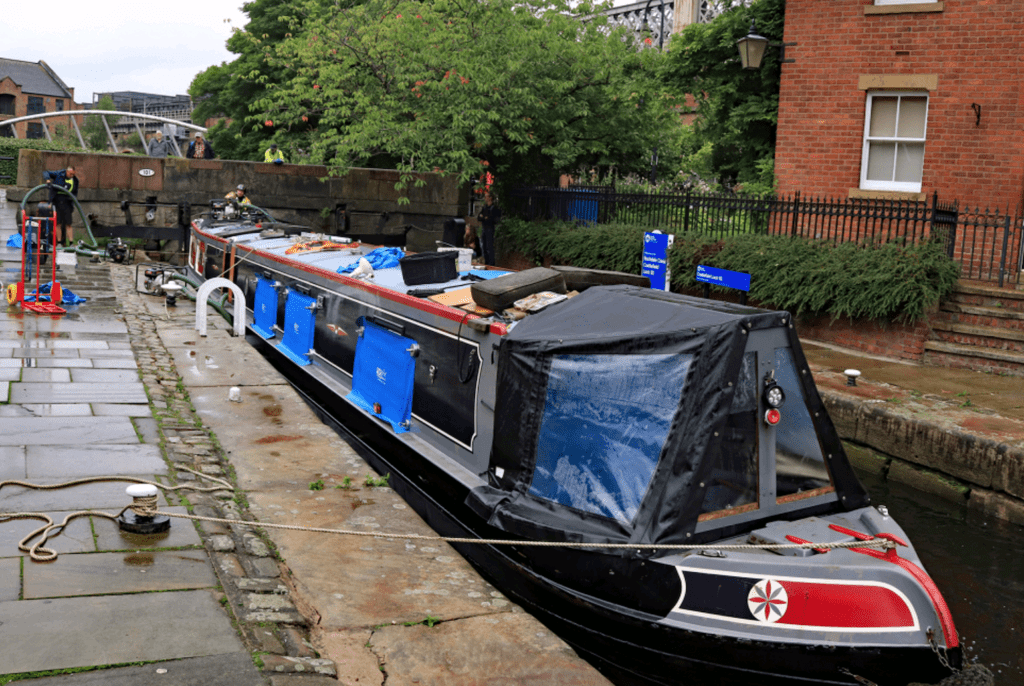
{"points": [[141, 517]]}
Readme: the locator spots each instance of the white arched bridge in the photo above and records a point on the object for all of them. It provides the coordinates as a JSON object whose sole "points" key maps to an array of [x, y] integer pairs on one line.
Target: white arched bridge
{"points": [[72, 114]]}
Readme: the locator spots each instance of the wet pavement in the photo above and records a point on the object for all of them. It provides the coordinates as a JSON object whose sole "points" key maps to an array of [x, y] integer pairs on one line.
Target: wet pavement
{"points": [[123, 385], [75, 407]]}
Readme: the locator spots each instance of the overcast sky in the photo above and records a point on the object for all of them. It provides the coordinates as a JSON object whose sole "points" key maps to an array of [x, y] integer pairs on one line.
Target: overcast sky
{"points": [[99, 46]]}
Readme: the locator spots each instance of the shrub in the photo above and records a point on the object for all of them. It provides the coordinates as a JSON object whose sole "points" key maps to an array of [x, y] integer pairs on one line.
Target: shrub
{"points": [[891, 281], [9, 147]]}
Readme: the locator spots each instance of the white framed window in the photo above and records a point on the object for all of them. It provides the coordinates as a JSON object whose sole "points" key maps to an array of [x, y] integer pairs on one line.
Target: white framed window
{"points": [[895, 124]]}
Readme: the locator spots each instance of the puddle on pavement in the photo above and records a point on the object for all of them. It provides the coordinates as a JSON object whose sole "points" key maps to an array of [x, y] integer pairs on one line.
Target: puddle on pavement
{"points": [[139, 559]]}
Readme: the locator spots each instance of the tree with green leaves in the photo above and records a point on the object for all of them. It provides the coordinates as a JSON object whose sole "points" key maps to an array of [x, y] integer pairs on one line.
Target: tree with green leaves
{"points": [[226, 91], [93, 132], [523, 89], [733, 136]]}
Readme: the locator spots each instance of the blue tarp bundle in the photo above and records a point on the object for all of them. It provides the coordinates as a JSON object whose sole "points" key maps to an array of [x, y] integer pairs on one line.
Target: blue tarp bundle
{"points": [[67, 297], [14, 240], [381, 258]]}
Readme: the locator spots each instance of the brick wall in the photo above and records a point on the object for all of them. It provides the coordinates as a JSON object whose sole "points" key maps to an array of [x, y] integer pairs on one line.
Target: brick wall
{"points": [[903, 341], [821, 110]]}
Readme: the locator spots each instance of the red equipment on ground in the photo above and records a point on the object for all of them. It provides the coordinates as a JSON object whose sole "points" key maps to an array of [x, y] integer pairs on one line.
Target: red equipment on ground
{"points": [[45, 228]]}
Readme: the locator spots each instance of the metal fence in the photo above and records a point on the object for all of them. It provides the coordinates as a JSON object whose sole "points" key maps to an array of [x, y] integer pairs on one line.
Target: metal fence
{"points": [[987, 244]]}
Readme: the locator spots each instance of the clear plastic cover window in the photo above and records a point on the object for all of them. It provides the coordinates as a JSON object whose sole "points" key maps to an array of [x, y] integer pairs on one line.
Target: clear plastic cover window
{"points": [[733, 479], [799, 465], [606, 418]]}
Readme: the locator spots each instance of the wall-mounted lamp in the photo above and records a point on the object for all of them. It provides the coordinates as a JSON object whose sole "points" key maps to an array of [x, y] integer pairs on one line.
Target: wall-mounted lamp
{"points": [[753, 46], [977, 113]]}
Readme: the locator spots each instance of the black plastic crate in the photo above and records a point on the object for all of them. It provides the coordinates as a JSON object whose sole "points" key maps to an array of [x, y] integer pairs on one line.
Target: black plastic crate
{"points": [[429, 267]]}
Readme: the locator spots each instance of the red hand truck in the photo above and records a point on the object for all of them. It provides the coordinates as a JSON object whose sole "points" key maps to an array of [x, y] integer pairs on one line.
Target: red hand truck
{"points": [[32, 227]]}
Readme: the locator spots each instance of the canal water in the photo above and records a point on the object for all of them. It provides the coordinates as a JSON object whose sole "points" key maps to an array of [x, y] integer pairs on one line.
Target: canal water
{"points": [[978, 564]]}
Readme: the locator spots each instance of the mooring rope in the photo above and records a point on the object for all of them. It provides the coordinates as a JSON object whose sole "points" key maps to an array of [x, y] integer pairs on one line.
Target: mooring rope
{"points": [[148, 506]]}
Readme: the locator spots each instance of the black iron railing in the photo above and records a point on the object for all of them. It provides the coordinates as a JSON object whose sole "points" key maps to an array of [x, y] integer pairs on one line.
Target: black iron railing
{"points": [[987, 244]]}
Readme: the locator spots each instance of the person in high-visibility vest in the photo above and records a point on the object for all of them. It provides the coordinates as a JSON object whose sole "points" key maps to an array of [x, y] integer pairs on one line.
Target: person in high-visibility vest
{"points": [[238, 195], [62, 204], [273, 154]]}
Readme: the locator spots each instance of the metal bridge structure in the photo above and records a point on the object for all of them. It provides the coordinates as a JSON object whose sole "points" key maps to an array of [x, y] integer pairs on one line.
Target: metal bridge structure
{"points": [[665, 17], [133, 117]]}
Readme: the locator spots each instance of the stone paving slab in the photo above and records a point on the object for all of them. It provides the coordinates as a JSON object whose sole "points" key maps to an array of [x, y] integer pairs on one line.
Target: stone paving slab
{"points": [[48, 362], [183, 533], [233, 669], [43, 354], [12, 462], [105, 630], [10, 578], [509, 644], [78, 392], [93, 460], [52, 344], [51, 375], [106, 496], [120, 410], [69, 431], [272, 436], [16, 323], [107, 573], [76, 538], [47, 410], [223, 362], [103, 376], [10, 373]]}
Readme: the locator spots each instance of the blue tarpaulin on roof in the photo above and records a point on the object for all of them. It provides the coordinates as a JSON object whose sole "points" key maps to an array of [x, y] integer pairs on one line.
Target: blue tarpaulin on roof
{"points": [[381, 258]]}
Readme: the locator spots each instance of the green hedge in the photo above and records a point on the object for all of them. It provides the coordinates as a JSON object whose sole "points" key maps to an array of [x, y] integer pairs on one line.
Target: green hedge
{"points": [[883, 282], [9, 147]]}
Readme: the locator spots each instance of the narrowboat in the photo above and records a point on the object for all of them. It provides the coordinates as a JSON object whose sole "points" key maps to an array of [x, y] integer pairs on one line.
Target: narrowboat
{"points": [[675, 448]]}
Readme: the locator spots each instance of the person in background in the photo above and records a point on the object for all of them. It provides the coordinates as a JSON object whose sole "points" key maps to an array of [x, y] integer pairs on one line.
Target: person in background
{"points": [[488, 217], [238, 195], [199, 149], [273, 154], [66, 179], [158, 147]]}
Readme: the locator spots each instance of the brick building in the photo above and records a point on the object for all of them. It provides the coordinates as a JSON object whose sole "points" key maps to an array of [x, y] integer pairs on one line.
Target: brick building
{"points": [[900, 98], [32, 88]]}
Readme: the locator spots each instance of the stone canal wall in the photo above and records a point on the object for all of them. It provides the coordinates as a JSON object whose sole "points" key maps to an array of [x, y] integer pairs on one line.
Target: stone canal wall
{"points": [[922, 441]]}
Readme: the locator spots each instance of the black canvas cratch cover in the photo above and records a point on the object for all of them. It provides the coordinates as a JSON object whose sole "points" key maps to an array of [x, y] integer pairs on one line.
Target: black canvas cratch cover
{"points": [[609, 411]]}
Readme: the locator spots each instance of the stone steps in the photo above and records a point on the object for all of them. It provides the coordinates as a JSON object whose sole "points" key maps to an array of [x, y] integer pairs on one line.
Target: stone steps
{"points": [[979, 327]]}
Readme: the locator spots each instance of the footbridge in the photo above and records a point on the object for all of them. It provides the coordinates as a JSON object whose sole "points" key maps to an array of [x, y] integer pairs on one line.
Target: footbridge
{"points": [[135, 118]]}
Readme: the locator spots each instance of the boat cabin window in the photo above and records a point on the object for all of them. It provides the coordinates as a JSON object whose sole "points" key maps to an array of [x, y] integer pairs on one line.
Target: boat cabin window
{"points": [[799, 464], [605, 420], [733, 482]]}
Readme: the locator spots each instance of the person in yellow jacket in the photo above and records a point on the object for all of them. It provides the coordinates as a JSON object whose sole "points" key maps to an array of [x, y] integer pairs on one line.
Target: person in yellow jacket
{"points": [[238, 195], [273, 154]]}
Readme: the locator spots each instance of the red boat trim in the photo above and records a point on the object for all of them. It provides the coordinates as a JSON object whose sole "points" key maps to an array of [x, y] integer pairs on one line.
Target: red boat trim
{"points": [[922, 578], [941, 609], [797, 539], [428, 306], [708, 516]]}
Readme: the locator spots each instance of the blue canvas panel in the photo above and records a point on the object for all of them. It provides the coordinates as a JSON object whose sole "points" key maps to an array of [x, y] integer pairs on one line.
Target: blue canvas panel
{"points": [[606, 418], [265, 308], [382, 375], [299, 317]]}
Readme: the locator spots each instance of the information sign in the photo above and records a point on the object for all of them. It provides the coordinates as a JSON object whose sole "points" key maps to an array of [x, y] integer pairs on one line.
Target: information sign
{"points": [[723, 277], [655, 259]]}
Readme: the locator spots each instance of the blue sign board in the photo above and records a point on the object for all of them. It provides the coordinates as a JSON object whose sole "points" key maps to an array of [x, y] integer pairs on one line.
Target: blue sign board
{"points": [[655, 259], [723, 277]]}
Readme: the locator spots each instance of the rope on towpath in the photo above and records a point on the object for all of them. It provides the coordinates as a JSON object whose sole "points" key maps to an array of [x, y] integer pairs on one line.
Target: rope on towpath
{"points": [[148, 506]]}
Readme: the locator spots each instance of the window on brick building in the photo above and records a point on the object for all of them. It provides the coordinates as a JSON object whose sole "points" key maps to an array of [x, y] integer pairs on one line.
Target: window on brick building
{"points": [[60, 105], [7, 131], [35, 105], [904, 2], [894, 137], [34, 130], [6, 104]]}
